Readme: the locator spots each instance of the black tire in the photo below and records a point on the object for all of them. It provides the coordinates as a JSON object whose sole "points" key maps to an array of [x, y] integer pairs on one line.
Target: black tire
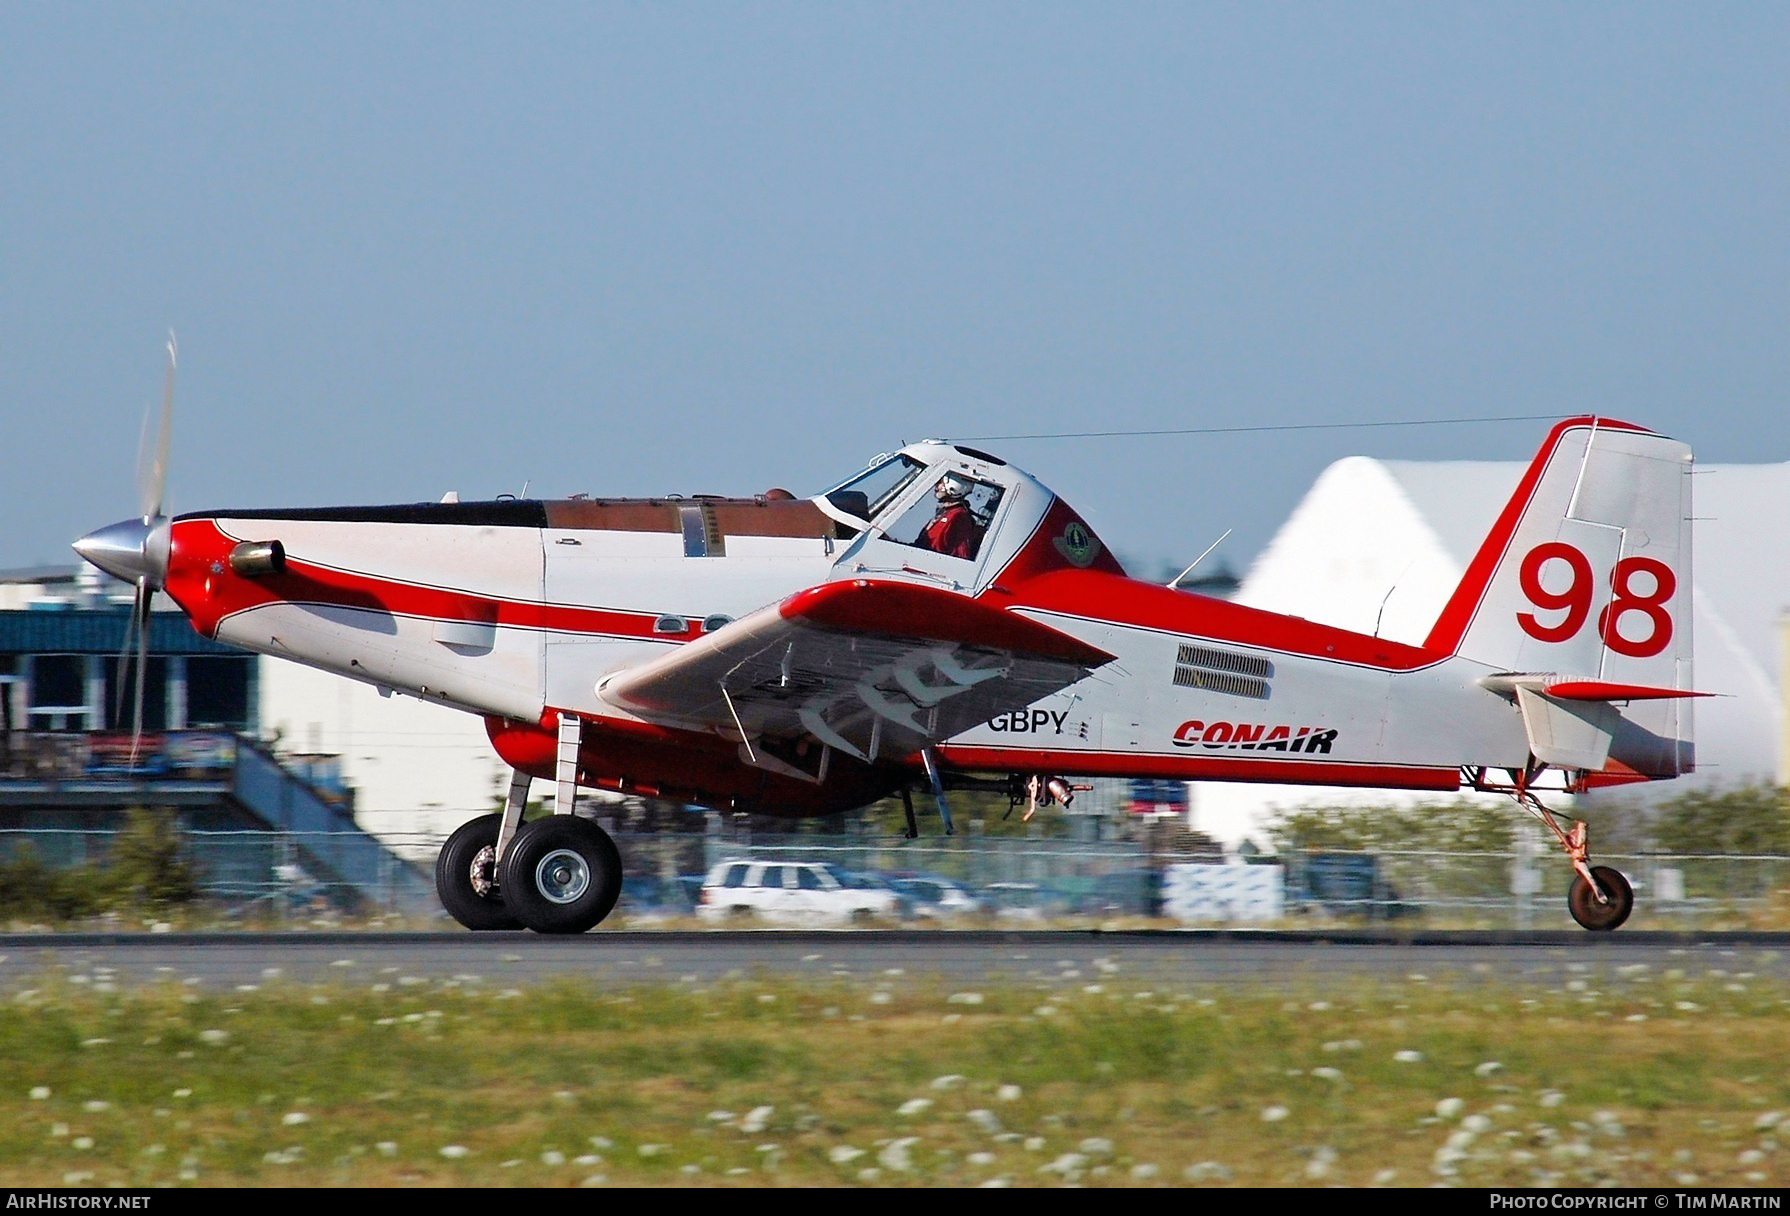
{"points": [[1601, 918], [467, 882], [562, 874]]}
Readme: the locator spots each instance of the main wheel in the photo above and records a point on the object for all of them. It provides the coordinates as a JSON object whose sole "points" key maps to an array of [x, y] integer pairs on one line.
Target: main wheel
{"points": [[1598, 917], [562, 874], [466, 876]]}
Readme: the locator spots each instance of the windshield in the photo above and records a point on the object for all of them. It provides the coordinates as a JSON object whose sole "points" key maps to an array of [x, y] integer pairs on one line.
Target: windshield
{"points": [[869, 493]]}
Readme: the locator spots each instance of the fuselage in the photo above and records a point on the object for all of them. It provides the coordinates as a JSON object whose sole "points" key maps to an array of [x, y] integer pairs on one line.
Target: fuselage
{"points": [[518, 610]]}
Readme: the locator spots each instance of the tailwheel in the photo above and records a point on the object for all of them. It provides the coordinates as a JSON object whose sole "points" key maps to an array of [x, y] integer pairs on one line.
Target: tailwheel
{"points": [[561, 874], [1619, 900], [466, 876]]}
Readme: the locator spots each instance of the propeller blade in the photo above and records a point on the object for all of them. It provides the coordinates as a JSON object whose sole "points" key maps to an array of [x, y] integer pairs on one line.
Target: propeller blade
{"points": [[141, 619], [122, 672], [152, 474]]}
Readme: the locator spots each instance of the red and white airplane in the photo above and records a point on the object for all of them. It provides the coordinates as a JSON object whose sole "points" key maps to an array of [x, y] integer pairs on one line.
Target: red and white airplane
{"points": [[943, 617]]}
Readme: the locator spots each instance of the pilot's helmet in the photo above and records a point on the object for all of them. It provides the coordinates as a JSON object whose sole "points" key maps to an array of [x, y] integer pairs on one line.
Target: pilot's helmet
{"points": [[953, 487]]}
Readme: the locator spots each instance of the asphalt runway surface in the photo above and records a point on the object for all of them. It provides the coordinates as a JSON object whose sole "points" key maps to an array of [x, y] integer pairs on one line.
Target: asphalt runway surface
{"points": [[1306, 961]]}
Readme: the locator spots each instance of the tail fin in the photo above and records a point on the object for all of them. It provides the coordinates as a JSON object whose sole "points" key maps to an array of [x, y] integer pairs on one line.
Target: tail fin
{"points": [[1586, 577]]}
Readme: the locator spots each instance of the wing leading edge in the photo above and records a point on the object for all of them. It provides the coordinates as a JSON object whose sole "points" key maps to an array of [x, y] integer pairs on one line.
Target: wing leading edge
{"points": [[870, 668]]}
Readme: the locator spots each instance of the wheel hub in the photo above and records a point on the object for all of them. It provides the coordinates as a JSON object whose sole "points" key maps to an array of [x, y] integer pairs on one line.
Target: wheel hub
{"points": [[484, 872], [562, 876]]}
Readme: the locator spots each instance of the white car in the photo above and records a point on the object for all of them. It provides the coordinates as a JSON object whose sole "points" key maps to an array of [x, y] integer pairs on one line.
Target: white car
{"points": [[792, 893]]}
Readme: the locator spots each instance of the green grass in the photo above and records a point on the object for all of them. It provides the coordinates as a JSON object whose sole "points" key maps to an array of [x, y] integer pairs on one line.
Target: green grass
{"points": [[1643, 1079]]}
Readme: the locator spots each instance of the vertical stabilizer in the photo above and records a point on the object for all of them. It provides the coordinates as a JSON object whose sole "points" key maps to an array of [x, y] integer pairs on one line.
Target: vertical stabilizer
{"points": [[1586, 576]]}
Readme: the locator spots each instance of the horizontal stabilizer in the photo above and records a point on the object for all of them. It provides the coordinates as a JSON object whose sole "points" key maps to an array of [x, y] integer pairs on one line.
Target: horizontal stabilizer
{"points": [[1571, 688]]}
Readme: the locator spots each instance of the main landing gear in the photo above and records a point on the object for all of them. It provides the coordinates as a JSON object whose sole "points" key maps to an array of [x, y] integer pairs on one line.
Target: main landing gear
{"points": [[561, 874], [1600, 898]]}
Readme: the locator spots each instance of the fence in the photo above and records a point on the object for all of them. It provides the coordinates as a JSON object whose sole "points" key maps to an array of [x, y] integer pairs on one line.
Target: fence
{"points": [[289, 874]]}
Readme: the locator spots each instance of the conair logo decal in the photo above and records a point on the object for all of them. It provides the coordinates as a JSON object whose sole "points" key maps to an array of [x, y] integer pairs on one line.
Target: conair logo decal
{"points": [[1249, 736]]}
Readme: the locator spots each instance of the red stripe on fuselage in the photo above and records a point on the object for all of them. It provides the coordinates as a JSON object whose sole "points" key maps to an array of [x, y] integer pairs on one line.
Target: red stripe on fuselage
{"points": [[1200, 768], [1112, 599], [201, 582]]}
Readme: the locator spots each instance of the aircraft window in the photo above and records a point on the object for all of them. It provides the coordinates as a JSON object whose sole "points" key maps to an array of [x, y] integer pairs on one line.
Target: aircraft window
{"points": [[952, 519], [869, 493]]}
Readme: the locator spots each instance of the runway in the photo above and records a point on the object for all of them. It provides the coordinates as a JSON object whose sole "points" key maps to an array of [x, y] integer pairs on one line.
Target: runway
{"points": [[1305, 961]]}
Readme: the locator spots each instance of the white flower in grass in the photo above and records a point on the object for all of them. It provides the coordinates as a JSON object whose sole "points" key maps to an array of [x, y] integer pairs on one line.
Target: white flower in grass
{"points": [[1320, 1163], [453, 1152], [897, 1156], [1008, 1093], [721, 1116], [602, 1142], [1448, 1108], [593, 1180], [659, 1150], [1034, 1144], [985, 1120], [913, 1106], [1327, 1074], [965, 998], [214, 1038], [1769, 1119], [1476, 1124], [843, 1154], [1096, 1146], [950, 1080], [587, 1159], [1273, 1114], [82, 1142], [553, 1157], [1487, 1069], [39, 1092], [1385, 1177], [1067, 1164], [1407, 1056], [1751, 1156], [1143, 1171], [981, 1158], [293, 1118], [183, 1092], [1551, 1098], [387, 1148], [755, 1120], [1207, 1171]]}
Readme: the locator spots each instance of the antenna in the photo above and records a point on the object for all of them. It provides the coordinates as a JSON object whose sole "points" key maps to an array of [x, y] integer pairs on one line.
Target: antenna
{"points": [[1196, 561], [1380, 615]]}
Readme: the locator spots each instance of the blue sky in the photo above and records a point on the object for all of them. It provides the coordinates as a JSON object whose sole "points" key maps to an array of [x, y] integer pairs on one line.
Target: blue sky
{"points": [[644, 249]]}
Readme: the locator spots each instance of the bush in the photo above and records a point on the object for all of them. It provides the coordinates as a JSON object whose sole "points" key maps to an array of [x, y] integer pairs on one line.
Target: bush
{"points": [[1750, 820], [143, 873]]}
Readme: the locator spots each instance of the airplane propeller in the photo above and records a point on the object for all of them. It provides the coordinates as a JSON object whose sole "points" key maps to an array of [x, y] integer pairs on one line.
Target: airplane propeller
{"points": [[136, 550]]}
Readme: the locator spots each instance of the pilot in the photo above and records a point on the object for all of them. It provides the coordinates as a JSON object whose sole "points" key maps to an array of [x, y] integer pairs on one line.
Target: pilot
{"points": [[953, 530]]}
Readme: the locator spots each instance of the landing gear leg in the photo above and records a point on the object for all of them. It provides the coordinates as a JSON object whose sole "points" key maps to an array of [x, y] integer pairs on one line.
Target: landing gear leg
{"points": [[931, 761], [907, 809], [1600, 898]]}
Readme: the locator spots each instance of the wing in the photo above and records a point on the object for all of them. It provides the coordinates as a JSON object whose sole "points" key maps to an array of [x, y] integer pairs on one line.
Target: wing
{"points": [[873, 669]]}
